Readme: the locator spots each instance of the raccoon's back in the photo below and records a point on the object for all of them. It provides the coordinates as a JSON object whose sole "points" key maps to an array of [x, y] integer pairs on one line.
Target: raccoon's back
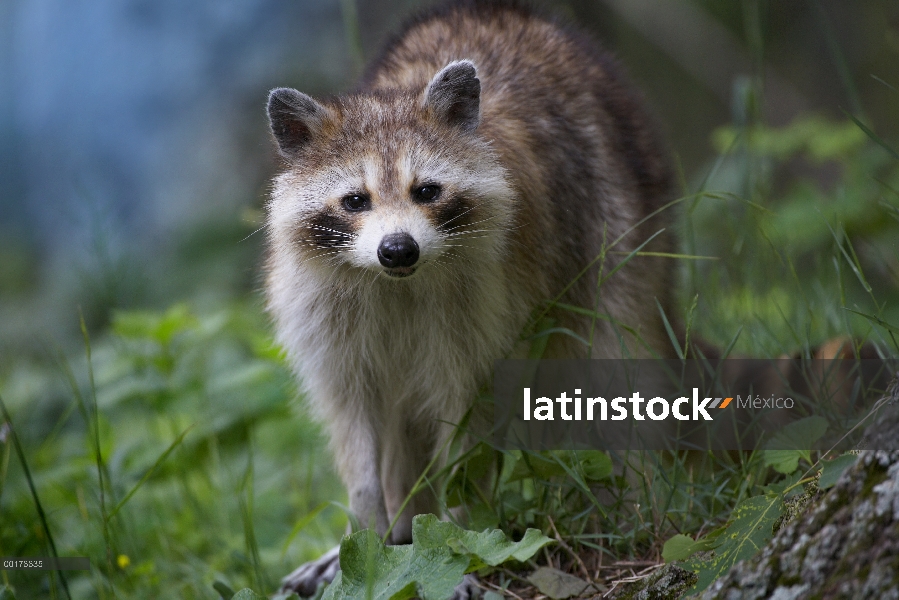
{"points": [[579, 147]]}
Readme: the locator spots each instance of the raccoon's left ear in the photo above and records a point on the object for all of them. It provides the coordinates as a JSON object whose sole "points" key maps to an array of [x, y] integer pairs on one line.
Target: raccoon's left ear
{"points": [[295, 119], [454, 95]]}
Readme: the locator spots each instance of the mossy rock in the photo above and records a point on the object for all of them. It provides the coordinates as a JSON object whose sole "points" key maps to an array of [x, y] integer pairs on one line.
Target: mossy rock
{"points": [[843, 543]]}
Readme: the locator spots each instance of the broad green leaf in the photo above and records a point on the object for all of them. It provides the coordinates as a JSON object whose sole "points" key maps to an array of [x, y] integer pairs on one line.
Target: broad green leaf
{"points": [[485, 548], [284, 596], [682, 547], [534, 465], [557, 584], [801, 434], [394, 572], [224, 591], [595, 465], [832, 470], [750, 528], [492, 548], [430, 568], [793, 442], [783, 461], [247, 594]]}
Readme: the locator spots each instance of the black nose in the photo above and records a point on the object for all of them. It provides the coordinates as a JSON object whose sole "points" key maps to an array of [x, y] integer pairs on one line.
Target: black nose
{"points": [[398, 250]]}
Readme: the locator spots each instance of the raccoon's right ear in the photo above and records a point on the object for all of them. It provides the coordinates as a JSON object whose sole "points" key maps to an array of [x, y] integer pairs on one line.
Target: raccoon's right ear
{"points": [[295, 119], [454, 94]]}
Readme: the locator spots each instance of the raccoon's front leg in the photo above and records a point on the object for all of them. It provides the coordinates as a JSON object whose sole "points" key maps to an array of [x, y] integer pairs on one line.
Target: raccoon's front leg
{"points": [[406, 450], [356, 450]]}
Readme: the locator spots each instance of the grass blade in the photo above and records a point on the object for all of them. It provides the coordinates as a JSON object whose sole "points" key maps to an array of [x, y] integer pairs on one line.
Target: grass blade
{"points": [[839, 58], [852, 261], [149, 473], [301, 525], [879, 80], [875, 319], [103, 478], [874, 137], [37, 501], [630, 255], [245, 501], [674, 343]]}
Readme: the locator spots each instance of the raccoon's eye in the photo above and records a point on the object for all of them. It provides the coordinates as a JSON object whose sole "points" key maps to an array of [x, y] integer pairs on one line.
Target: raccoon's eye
{"points": [[427, 193], [356, 202]]}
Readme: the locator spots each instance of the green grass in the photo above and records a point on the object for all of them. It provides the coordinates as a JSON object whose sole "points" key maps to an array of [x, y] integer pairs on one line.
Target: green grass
{"points": [[174, 457]]}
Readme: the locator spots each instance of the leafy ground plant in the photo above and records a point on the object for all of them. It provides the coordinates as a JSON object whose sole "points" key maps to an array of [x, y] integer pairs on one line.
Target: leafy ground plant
{"points": [[430, 567]]}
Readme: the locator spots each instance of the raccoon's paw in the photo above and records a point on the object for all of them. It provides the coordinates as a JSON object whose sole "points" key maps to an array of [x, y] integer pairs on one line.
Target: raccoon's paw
{"points": [[468, 589], [306, 578]]}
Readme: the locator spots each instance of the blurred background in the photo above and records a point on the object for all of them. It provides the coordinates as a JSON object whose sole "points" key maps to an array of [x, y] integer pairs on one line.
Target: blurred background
{"points": [[135, 150], [162, 440]]}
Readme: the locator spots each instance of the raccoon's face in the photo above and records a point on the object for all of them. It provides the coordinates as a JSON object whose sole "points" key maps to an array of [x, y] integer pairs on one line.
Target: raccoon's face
{"points": [[395, 183]]}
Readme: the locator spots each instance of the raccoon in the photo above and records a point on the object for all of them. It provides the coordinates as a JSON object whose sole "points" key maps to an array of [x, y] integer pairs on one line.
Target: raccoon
{"points": [[486, 163]]}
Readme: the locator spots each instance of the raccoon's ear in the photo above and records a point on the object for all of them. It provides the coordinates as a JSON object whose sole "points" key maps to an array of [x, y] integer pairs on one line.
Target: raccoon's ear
{"points": [[295, 119], [454, 95]]}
